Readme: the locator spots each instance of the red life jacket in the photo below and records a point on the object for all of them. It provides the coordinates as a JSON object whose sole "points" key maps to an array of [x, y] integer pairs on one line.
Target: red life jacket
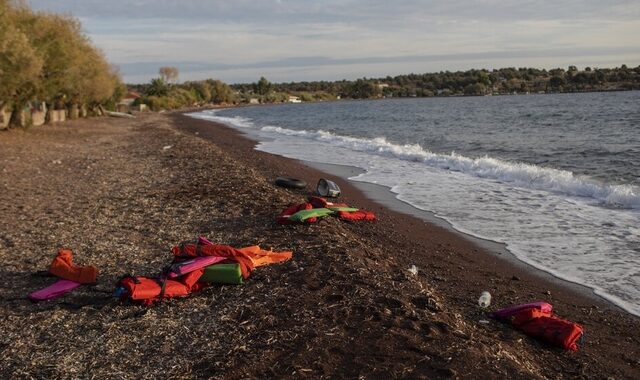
{"points": [[190, 250], [354, 216], [554, 330], [524, 316], [149, 290], [536, 320], [318, 202]]}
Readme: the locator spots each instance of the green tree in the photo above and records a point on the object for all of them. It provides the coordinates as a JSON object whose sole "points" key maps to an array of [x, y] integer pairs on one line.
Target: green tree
{"points": [[484, 78], [221, 92], [20, 65], [363, 89], [54, 62], [475, 89], [157, 87], [262, 87], [557, 81]]}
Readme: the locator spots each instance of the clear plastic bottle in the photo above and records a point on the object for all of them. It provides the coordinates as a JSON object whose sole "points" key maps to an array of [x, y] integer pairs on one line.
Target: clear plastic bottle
{"points": [[485, 299]]}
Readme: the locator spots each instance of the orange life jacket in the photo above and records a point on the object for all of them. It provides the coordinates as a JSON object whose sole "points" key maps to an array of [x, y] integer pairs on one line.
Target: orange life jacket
{"points": [[63, 267]]}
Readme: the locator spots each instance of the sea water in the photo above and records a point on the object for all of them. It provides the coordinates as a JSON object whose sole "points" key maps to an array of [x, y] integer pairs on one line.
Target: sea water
{"points": [[554, 177]]}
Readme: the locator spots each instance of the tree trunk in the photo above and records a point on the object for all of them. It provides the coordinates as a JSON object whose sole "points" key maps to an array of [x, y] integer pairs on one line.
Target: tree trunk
{"points": [[48, 117], [17, 116], [74, 112]]}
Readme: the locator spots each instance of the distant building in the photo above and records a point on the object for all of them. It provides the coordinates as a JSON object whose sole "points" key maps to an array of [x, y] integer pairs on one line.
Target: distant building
{"points": [[254, 101], [294, 99], [125, 104]]}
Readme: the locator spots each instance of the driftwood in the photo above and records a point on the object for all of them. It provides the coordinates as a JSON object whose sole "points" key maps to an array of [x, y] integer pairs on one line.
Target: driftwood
{"points": [[119, 114]]}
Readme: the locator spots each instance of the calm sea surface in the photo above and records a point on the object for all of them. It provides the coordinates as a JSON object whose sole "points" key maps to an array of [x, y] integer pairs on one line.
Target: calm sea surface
{"points": [[554, 177]]}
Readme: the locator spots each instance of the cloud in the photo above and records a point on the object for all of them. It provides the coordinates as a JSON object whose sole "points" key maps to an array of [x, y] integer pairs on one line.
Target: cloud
{"points": [[237, 38], [304, 68], [378, 11]]}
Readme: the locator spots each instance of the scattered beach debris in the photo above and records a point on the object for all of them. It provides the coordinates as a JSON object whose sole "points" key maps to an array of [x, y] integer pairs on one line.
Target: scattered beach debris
{"points": [[55, 290], [70, 277], [167, 147], [290, 182], [536, 319], [317, 207], [192, 260], [413, 270], [327, 188], [63, 267], [485, 299]]}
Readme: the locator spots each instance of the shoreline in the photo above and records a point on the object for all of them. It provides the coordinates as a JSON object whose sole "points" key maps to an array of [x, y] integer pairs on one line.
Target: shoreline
{"points": [[433, 248], [121, 192], [383, 196]]}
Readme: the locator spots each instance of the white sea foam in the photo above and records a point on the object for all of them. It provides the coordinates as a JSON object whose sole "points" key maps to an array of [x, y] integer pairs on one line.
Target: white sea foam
{"points": [[519, 174], [236, 121]]}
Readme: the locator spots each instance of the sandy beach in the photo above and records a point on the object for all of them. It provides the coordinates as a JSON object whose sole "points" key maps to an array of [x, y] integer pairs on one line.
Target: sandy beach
{"points": [[121, 192]]}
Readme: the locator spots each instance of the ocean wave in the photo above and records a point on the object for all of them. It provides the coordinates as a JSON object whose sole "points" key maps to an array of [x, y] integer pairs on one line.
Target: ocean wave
{"points": [[236, 121], [519, 174]]}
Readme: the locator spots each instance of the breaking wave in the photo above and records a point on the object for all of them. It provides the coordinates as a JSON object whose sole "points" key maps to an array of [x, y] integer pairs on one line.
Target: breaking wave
{"points": [[236, 121], [519, 174]]}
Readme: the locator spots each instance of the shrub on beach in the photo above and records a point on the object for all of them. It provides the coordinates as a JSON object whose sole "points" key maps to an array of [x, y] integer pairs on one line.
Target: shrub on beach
{"points": [[161, 95]]}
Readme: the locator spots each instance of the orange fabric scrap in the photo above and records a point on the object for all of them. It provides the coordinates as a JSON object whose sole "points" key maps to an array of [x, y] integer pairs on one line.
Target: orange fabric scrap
{"points": [[63, 267]]}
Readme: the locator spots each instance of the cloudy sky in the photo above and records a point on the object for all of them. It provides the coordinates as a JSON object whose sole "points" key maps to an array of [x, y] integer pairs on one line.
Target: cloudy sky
{"points": [[286, 40]]}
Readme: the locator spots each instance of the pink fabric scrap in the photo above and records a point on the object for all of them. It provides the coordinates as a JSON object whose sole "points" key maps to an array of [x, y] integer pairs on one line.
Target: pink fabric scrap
{"points": [[55, 290], [190, 265], [509, 311]]}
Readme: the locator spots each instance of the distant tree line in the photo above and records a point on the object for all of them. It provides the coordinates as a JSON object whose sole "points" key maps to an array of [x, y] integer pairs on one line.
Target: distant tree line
{"points": [[164, 93], [445, 83], [45, 57]]}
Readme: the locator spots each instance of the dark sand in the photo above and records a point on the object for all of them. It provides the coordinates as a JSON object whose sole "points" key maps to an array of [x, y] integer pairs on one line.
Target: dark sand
{"points": [[344, 307]]}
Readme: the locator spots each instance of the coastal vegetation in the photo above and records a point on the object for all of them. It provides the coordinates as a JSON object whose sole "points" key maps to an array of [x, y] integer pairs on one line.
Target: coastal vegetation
{"points": [[460, 83], [163, 93], [48, 63]]}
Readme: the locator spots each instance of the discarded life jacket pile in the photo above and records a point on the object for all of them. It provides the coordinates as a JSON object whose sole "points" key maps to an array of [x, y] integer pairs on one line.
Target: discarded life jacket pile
{"points": [[70, 277], [316, 207], [196, 266], [536, 320]]}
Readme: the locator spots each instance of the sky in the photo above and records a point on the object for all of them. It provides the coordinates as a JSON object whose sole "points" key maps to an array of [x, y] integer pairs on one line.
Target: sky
{"points": [[238, 41]]}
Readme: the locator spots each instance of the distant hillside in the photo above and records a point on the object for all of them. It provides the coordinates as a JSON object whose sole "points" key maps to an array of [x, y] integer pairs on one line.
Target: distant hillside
{"points": [[472, 82]]}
